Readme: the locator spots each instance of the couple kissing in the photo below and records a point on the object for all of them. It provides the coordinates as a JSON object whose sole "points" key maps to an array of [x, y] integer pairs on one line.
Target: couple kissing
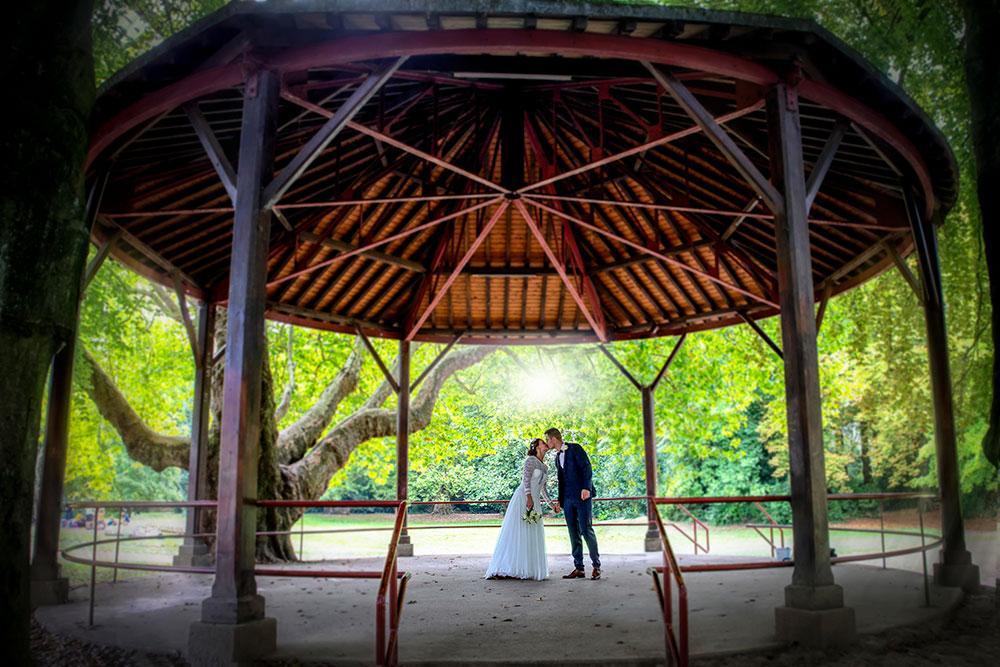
{"points": [[520, 548]]}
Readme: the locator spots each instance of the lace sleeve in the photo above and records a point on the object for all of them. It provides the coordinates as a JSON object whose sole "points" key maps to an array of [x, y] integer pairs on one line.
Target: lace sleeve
{"points": [[540, 479], [526, 476]]}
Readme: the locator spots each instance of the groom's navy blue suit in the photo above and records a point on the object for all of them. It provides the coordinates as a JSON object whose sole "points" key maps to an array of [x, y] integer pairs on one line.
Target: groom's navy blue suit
{"points": [[575, 475]]}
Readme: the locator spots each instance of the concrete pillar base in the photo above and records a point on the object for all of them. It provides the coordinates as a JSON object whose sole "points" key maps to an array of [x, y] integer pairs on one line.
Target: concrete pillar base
{"points": [[215, 644], [404, 548], [193, 554], [45, 592], [957, 570], [652, 542], [815, 628]]}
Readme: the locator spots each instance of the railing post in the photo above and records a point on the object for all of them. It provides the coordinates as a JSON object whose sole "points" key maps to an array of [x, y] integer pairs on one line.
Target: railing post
{"points": [[93, 569], [118, 542], [923, 552], [302, 533], [881, 528]]}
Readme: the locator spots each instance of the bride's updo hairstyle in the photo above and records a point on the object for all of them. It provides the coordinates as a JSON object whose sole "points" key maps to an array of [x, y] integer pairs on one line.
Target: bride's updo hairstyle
{"points": [[533, 448]]}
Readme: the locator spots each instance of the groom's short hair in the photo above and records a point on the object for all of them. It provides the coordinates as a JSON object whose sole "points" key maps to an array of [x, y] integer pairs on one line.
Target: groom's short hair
{"points": [[553, 433]]}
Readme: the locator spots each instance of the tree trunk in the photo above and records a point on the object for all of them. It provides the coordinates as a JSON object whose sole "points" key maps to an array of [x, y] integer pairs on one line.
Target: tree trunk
{"points": [[47, 60], [982, 62], [296, 463]]}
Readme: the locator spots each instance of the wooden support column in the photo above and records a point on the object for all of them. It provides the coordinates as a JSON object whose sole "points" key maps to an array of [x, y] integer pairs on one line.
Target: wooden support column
{"points": [[47, 586], [955, 567], [814, 612], [405, 547], [648, 394], [652, 542], [233, 627], [194, 550]]}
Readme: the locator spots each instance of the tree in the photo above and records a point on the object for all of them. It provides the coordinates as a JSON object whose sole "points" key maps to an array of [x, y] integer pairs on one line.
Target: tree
{"points": [[296, 462], [43, 246], [982, 62]]}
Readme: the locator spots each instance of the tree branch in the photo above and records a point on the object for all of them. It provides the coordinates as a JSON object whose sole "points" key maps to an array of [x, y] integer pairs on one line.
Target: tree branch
{"points": [[311, 475], [294, 441], [143, 444], [289, 390]]}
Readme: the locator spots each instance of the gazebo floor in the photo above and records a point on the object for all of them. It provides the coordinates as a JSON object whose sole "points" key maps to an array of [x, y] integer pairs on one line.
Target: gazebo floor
{"points": [[452, 616]]}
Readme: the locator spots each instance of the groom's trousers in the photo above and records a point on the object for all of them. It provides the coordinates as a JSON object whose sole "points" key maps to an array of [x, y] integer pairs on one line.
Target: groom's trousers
{"points": [[580, 522]]}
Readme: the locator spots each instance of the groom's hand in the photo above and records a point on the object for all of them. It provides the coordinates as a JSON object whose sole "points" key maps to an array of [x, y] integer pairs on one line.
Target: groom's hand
{"points": [[585, 494], [555, 507]]}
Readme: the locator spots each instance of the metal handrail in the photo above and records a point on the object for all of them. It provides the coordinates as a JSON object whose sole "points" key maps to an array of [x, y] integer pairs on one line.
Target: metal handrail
{"points": [[676, 648], [771, 525], [390, 579]]}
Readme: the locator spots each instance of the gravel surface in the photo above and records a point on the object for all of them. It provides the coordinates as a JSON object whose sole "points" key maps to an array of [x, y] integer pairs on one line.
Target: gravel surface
{"points": [[970, 637], [57, 651]]}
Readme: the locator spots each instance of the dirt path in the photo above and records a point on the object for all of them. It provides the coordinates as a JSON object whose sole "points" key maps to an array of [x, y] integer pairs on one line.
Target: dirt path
{"points": [[970, 637]]}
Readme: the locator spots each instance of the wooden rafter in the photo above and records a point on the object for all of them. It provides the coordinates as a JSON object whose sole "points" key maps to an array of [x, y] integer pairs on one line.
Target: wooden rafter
{"points": [[595, 324], [712, 129]]}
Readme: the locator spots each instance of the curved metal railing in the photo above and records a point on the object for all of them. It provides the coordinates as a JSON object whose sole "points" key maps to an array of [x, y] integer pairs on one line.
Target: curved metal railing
{"points": [[676, 639], [392, 583]]}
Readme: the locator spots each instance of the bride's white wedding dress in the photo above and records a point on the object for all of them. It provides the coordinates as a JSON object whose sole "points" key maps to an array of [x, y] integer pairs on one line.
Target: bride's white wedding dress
{"points": [[520, 549]]}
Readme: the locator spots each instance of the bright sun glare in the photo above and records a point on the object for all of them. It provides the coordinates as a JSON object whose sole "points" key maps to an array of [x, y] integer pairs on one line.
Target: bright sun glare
{"points": [[539, 388]]}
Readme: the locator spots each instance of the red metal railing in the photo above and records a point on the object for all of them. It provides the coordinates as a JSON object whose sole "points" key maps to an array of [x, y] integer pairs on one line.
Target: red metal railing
{"points": [[392, 583], [689, 536], [676, 641]]}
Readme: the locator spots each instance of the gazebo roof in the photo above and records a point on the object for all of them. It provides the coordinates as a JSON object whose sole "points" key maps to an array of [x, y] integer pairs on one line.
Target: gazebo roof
{"points": [[521, 177]]}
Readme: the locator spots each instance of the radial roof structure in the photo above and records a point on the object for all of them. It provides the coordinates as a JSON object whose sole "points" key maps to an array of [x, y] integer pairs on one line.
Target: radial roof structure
{"points": [[509, 171]]}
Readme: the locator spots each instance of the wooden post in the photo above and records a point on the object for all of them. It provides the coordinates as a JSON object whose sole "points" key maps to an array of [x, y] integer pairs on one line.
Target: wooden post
{"points": [[233, 627], [47, 586], [649, 448], [194, 550], [814, 612], [955, 567], [405, 547]]}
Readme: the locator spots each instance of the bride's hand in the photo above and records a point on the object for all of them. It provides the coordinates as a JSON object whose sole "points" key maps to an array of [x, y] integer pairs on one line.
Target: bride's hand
{"points": [[531, 503]]}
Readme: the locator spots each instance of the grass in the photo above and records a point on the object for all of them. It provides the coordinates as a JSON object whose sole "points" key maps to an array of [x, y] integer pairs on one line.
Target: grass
{"points": [[435, 534]]}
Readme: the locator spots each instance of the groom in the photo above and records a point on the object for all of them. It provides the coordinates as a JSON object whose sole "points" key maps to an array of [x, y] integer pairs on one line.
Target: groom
{"points": [[576, 488]]}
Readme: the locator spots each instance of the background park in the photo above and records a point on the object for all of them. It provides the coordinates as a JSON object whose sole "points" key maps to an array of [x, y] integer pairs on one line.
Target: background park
{"points": [[720, 417]]}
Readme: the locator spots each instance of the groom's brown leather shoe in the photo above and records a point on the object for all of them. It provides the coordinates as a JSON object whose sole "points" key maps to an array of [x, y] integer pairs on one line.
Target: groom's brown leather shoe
{"points": [[576, 574], [595, 574]]}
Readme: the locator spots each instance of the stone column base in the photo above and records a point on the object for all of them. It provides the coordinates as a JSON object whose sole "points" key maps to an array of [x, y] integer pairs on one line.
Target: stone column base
{"points": [[193, 554], [957, 570], [820, 628], [45, 592], [215, 644], [404, 548], [652, 542]]}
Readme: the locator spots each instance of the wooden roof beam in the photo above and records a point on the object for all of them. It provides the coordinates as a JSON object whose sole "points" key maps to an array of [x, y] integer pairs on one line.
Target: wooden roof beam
{"points": [[595, 324], [333, 126], [473, 247], [718, 136]]}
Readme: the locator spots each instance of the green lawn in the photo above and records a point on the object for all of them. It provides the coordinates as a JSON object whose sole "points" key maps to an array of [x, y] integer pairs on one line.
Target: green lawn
{"points": [[433, 534]]}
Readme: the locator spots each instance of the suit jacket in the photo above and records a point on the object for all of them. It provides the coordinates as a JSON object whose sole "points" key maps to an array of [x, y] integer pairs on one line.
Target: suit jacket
{"points": [[575, 474]]}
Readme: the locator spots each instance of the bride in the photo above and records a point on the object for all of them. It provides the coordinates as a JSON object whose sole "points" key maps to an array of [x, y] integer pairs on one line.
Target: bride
{"points": [[520, 548]]}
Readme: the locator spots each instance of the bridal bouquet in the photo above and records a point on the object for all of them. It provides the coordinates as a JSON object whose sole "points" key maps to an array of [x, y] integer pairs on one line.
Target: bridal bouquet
{"points": [[531, 516]]}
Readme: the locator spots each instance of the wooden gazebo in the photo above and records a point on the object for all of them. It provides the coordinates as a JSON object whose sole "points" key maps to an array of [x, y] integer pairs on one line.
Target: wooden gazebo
{"points": [[518, 172]]}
